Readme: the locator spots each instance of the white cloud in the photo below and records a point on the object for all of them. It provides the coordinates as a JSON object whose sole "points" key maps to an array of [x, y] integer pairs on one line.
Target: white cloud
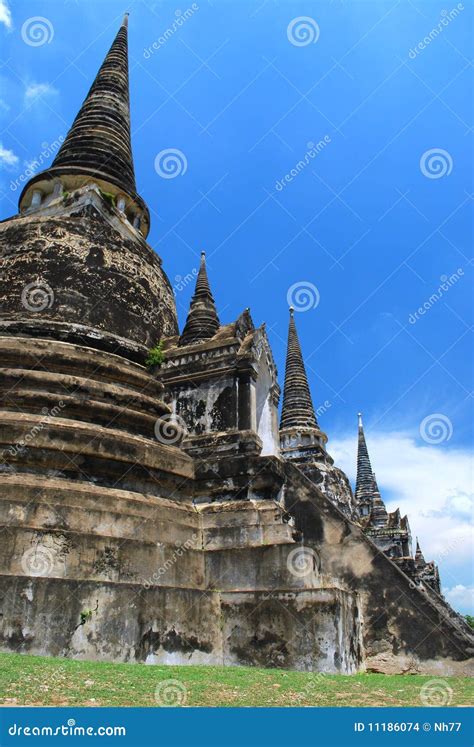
{"points": [[461, 598], [459, 506], [36, 90], [3, 104], [430, 483], [5, 15], [7, 157]]}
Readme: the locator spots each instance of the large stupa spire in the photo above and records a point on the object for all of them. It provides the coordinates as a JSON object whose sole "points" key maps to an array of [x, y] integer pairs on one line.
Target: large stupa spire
{"points": [[98, 148], [366, 484], [367, 493], [203, 321], [301, 439], [297, 410]]}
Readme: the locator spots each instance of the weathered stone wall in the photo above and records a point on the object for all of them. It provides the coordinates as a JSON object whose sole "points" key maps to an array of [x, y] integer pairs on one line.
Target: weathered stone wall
{"points": [[169, 581], [404, 627], [208, 406], [333, 482], [124, 577], [89, 267]]}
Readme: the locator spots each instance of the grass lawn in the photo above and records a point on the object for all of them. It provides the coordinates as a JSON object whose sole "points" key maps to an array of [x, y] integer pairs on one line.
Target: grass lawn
{"points": [[35, 680]]}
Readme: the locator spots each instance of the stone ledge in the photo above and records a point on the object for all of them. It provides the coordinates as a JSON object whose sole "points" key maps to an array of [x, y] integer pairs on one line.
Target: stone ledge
{"points": [[77, 437], [65, 358]]}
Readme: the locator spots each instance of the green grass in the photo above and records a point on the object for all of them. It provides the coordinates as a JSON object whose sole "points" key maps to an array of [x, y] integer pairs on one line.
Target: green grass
{"points": [[36, 680]]}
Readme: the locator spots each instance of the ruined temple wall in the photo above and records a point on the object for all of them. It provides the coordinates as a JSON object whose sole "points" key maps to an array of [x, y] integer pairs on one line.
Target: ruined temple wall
{"points": [[104, 574], [127, 623], [403, 629], [208, 406]]}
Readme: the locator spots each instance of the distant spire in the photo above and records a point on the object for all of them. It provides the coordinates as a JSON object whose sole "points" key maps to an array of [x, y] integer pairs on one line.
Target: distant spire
{"points": [[418, 554], [98, 145], [366, 484], [202, 322], [298, 410]]}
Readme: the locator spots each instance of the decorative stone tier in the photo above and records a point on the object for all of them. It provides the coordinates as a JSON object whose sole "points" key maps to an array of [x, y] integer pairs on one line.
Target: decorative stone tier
{"points": [[82, 414], [38, 376], [306, 447], [78, 262]]}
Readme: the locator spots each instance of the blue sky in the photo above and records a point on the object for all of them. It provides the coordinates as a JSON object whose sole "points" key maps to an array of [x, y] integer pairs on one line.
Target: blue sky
{"points": [[375, 222]]}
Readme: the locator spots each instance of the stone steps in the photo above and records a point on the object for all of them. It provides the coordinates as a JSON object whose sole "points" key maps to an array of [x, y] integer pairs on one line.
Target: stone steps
{"points": [[90, 452], [42, 382], [79, 407], [52, 356], [40, 504]]}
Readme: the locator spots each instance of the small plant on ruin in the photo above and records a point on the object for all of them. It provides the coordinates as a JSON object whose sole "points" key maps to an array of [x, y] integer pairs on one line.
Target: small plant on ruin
{"points": [[85, 616], [108, 197], [156, 356]]}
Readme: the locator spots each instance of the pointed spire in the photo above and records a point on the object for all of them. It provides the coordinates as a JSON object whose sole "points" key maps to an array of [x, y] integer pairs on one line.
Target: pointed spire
{"points": [[202, 322], [298, 410], [418, 554], [98, 142], [366, 484], [98, 145], [99, 139]]}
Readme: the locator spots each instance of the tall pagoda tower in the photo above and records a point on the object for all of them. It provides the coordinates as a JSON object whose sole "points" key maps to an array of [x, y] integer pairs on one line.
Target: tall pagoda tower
{"points": [[202, 322], [83, 298], [301, 439], [389, 530]]}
